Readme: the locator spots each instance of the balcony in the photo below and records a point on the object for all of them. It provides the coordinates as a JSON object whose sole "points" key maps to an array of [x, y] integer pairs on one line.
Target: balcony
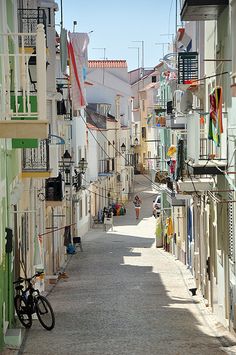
{"points": [[106, 167], [209, 160], [202, 10], [22, 100], [35, 162], [175, 199], [195, 185]]}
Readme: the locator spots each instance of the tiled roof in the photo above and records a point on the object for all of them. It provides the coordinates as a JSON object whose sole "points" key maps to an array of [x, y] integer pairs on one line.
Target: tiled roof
{"points": [[107, 64]]}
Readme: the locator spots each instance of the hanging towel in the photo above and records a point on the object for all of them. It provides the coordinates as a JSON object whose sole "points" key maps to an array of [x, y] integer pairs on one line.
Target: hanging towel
{"points": [[215, 120]]}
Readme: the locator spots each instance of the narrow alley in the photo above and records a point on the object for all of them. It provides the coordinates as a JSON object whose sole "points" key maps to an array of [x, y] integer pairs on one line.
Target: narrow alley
{"points": [[125, 296]]}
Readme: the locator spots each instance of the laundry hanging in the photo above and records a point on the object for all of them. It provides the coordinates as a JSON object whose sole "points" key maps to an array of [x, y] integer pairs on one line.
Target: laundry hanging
{"points": [[77, 48], [63, 50], [215, 120]]}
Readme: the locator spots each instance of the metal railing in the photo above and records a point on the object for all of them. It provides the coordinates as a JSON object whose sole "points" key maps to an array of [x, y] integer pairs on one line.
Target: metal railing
{"points": [[28, 19], [36, 159], [18, 87], [106, 166], [129, 160], [206, 148]]}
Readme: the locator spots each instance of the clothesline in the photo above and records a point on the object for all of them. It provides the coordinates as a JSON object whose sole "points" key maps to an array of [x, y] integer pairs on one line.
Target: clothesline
{"points": [[57, 229]]}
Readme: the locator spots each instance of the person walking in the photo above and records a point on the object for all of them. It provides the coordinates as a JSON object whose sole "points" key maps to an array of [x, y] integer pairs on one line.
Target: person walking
{"points": [[137, 205]]}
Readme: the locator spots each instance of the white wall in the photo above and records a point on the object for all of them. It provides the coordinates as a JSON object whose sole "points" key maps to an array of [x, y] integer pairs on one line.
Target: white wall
{"points": [[105, 91]]}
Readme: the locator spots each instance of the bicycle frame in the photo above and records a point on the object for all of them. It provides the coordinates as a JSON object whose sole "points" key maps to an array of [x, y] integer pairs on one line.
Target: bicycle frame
{"points": [[28, 301], [29, 293]]}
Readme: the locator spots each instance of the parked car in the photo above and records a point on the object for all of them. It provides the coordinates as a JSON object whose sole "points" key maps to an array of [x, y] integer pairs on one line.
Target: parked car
{"points": [[156, 209]]}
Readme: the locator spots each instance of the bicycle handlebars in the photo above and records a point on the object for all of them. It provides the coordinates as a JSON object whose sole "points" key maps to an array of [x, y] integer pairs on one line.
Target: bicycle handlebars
{"points": [[21, 279]]}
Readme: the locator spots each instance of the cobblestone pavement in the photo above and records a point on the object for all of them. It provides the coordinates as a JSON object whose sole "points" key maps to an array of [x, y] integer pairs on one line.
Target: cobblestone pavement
{"points": [[124, 296]]}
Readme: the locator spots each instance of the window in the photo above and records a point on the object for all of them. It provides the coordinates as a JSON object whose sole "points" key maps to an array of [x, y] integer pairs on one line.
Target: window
{"points": [[154, 79]]}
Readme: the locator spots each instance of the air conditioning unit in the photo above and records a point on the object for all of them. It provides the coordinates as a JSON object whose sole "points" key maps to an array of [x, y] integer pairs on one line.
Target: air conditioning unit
{"points": [[183, 101]]}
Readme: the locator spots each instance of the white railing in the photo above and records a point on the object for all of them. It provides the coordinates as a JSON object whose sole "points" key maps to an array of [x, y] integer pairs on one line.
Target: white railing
{"points": [[16, 78]]}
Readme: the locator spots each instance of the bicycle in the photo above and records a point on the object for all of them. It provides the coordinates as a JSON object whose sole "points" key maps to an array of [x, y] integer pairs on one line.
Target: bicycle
{"points": [[28, 301]]}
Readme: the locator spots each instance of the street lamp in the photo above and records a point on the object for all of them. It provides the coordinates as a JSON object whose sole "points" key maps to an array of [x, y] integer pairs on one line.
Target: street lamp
{"points": [[123, 148], [83, 164]]}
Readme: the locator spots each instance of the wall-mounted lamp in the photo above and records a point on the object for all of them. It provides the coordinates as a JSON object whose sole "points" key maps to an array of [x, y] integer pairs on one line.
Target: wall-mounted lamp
{"points": [[78, 178], [136, 141], [66, 164], [123, 148]]}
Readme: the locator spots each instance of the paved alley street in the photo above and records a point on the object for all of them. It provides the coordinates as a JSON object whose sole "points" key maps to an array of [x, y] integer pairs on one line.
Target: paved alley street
{"points": [[125, 296]]}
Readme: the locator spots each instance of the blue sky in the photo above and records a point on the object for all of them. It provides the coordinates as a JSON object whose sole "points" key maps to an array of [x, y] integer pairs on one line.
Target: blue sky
{"points": [[115, 24]]}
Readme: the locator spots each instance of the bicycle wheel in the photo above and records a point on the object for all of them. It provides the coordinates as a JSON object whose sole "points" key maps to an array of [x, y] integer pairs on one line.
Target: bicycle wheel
{"points": [[44, 312], [22, 312]]}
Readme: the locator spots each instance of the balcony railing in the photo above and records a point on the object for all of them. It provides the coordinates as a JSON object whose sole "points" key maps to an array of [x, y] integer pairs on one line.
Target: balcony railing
{"points": [[106, 166], [36, 159], [20, 117], [129, 160], [28, 19], [206, 148]]}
